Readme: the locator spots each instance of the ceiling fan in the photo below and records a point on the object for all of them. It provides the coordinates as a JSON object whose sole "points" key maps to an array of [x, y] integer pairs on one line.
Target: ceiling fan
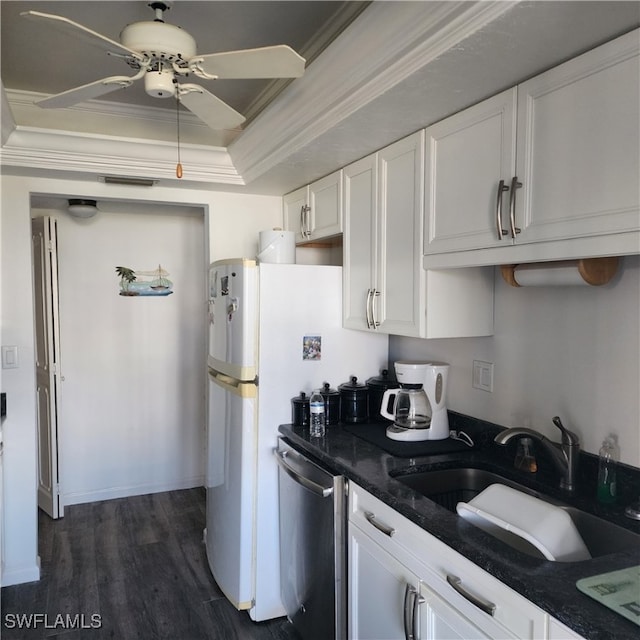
{"points": [[164, 55]]}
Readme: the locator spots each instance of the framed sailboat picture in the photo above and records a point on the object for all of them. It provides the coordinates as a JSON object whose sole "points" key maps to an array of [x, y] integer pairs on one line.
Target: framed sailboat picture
{"points": [[144, 283]]}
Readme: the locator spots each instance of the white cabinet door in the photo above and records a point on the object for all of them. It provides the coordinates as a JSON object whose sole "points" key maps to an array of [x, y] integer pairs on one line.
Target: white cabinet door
{"points": [[296, 213], [314, 212], [440, 621], [469, 160], [360, 240], [325, 201], [378, 584], [578, 140], [399, 305]]}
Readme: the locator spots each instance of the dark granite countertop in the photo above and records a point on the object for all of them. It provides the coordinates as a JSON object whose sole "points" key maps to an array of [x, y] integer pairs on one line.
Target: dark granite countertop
{"points": [[549, 585]]}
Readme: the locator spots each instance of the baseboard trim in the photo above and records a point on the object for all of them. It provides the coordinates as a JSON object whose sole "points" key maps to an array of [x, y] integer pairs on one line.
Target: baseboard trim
{"points": [[82, 497], [19, 575]]}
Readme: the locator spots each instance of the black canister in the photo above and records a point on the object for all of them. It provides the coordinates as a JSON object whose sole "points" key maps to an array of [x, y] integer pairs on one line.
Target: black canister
{"points": [[331, 404], [300, 410], [353, 402], [377, 386]]}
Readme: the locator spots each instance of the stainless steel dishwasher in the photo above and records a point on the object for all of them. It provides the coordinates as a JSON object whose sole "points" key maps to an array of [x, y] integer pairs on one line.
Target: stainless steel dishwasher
{"points": [[312, 535]]}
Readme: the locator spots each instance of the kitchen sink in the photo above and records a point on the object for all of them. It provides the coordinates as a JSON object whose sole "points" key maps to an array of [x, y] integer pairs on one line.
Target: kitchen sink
{"points": [[447, 487]]}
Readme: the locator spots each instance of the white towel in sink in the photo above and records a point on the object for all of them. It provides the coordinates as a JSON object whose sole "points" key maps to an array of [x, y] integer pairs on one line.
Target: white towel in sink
{"points": [[521, 520]]}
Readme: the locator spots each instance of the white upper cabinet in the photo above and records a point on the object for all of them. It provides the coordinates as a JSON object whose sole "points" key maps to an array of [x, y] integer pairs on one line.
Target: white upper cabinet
{"points": [[400, 284], [360, 254], [314, 212], [578, 156], [385, 287], [470, 157], [383, 275], [556, 177]]}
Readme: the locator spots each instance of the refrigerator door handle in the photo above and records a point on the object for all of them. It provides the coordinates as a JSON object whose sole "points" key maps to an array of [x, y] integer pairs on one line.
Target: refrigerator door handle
{"points": [[237, 387], [281, 458]]}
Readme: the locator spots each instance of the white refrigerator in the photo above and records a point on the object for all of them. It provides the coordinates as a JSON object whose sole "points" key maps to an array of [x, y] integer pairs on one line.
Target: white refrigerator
{"points": [[274, 330]]}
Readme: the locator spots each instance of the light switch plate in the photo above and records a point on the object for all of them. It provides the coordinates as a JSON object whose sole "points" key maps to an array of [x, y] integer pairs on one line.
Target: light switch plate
{"points": [[9, 357], [482, 375]]}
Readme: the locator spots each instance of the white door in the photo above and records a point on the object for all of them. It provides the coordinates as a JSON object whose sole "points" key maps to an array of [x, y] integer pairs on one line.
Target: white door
{"points": [[360, 238], [45, 271], [440, 621], [400, 288], [233, 312], [469, 165], [378, 585], [578, 141], [325, 200], [231, 480]]}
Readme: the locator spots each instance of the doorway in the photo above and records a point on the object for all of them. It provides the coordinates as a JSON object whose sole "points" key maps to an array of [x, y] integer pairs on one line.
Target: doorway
{"points": [[128, 407]]}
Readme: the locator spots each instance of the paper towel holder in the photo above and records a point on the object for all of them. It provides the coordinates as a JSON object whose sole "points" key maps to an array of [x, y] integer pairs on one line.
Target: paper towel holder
{"points": [[591, 271]]}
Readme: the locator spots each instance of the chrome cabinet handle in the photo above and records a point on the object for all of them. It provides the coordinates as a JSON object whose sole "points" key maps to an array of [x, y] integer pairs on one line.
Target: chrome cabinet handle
{"points": [[512, 206], [417, 601], [409, 591], [411, 612], [304, 220], [371, 518], [502, 187], [481, 603], [376, 294], [307, 210], [368, 308]]}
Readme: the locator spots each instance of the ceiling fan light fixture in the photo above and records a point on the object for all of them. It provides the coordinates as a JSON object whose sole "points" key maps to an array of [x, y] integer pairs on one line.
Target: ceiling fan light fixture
{"points": [[160, 84], [82, 208]]}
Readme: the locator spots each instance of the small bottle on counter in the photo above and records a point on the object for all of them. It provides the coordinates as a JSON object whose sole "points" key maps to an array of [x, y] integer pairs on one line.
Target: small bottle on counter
{"points": [[525, 459], [609, 455], [316, 409]]}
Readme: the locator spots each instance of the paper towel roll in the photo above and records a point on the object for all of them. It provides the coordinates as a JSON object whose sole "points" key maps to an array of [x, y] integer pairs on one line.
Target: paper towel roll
{"points": [[537, 276], [583, 272], [277, 246]]}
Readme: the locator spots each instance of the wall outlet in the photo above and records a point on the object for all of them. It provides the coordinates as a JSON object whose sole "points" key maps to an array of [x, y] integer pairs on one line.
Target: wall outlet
{"points": [[482, 375]]}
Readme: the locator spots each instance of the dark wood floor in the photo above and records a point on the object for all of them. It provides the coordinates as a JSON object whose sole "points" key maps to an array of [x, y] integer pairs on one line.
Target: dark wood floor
{"points": [[139, 563]]}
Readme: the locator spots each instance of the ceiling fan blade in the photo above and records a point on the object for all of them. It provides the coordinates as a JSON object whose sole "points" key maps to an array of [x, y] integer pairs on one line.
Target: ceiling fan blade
{"points": [[85, 92], [84, 33], [278, 61], [210, 109]]}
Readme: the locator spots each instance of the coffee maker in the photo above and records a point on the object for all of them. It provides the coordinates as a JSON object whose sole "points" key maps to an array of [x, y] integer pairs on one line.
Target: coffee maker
{"points": [[418, 411]]}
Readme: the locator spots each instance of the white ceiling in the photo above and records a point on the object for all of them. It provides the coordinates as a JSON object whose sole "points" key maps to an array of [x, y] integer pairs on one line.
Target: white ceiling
{"points": [[527, 38], [36, 57]]}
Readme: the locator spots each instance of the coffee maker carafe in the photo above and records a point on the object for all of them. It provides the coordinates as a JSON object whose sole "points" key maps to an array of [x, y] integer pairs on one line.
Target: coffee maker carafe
{"points": [[419, 411]]}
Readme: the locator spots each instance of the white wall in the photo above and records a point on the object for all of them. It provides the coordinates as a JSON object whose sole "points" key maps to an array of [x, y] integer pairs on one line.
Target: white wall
{"points": [[567, 351], [250, 215], [131, 406]]}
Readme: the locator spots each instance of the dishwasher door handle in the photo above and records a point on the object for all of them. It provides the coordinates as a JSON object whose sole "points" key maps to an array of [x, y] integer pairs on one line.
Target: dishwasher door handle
{"points": [[318, 489]]}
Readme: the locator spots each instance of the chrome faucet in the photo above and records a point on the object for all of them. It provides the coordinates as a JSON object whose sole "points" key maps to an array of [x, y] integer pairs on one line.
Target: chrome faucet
{"points": [[564, 455]]}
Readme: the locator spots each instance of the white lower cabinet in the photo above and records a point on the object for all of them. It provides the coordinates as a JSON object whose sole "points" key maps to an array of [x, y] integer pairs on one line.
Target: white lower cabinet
{"points": [[405, 583]]}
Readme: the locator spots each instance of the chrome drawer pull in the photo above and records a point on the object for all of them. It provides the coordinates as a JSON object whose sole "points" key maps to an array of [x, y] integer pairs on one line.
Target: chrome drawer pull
{"points": [[371, 517], [484, 605]]}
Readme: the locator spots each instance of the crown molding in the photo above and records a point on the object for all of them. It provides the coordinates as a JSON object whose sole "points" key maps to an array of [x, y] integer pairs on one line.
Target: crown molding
{"points": [[7, 123], [405, 41], [100, 116], [34, 148]]}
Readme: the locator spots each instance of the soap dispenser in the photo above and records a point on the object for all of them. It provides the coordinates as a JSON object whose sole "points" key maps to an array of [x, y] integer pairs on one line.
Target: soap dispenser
{"points": [[525, 459], [609, 455]]}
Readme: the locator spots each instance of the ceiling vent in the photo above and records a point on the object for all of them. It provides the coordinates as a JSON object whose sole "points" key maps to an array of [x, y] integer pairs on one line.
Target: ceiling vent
{"points": [[123, 180]]}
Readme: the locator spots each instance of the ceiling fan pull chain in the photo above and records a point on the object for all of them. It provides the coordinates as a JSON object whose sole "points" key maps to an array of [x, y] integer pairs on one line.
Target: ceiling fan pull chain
{"points": [[179, 165]]}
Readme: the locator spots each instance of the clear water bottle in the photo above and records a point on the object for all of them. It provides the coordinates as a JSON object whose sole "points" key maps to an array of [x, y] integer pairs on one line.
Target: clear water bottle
{"points": [[316, 408], [607, 470]]}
